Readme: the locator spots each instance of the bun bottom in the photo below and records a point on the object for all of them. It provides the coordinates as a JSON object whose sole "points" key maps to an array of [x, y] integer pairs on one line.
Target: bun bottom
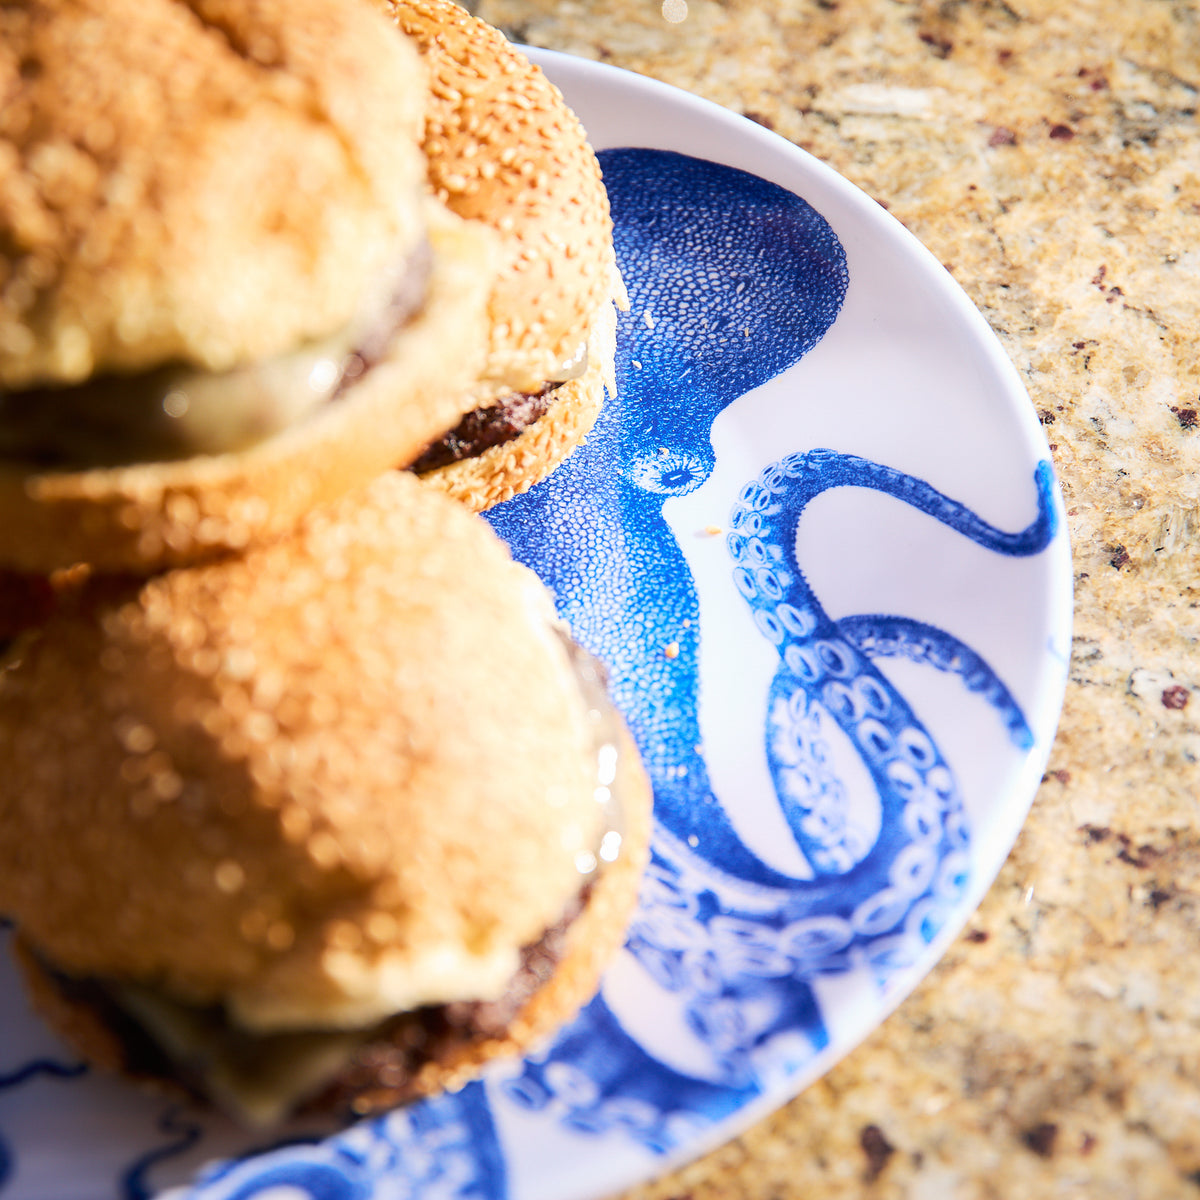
{"points": [[109, 1039], [507, 470]]}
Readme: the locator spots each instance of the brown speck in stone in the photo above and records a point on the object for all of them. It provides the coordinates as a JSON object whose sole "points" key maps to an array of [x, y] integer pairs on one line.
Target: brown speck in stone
{"points": [[1187, 417], [1113, 293], [1098, 278], [977, 935], [1120, 557], [1087, 1143], [1002, 136], [1158, 897], [940, 46], [1079, 345], [1096, 833], [1053, 447], [1061, 133], [1046, 416], [1176, 696], [1143, 857], [1004, 56], [1040, 1139], [877, 1149]]}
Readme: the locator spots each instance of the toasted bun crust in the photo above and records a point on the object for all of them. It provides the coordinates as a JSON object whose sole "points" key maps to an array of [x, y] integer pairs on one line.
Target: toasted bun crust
{"points": [[348, 769], [144, 517], [201, 181], [504, 149]]}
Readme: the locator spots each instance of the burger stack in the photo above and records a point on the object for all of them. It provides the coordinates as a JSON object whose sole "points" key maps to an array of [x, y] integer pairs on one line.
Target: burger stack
{"points": [[309, 802]]}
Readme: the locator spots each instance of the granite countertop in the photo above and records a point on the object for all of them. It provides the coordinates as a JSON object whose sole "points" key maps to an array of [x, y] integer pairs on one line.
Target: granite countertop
{"points": [[1049, 155]]}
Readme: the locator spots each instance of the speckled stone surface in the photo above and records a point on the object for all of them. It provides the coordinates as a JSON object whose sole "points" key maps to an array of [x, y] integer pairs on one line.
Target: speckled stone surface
{"points": [[1049, 155]]}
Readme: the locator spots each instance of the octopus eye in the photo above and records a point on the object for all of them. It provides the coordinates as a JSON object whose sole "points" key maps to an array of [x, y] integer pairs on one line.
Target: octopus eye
{"points": [[668, 472]]}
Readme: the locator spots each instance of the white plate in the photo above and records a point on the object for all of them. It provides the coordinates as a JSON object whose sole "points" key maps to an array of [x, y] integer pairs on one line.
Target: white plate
{"points": [[819, 544]]}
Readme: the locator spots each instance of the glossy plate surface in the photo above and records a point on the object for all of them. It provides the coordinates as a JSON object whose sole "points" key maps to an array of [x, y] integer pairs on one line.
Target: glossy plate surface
{"points": [[818, 544]]}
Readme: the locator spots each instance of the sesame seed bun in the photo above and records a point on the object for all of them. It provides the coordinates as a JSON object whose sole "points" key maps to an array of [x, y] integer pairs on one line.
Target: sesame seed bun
{"points": [[505, 150], [349, 773], [214, 185]]}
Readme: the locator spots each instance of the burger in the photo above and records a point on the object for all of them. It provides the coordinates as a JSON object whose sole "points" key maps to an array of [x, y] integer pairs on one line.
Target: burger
{"points": [[233, 285], [323, 826], [504, 150]]}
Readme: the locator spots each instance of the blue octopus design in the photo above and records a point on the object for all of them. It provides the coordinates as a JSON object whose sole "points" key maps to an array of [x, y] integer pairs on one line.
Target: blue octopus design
{"points": [[731, 281], [13, 1079], [444, 1147]]}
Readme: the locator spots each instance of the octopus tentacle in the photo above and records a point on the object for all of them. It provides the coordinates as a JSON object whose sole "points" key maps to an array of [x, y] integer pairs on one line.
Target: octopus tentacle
{"points": [[880, 636], [831, 669]]}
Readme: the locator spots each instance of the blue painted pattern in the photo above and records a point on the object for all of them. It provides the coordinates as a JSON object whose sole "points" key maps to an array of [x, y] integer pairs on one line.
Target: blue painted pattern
{"points": [[441, 1149], [25, 1073]]}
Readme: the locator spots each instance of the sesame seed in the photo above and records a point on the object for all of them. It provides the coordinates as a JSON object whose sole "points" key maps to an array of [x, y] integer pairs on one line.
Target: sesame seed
{"points": [[136, 738], [167, 785], [381, 927], [343, 935], [229, 876], [323, 849], [280, 935]]}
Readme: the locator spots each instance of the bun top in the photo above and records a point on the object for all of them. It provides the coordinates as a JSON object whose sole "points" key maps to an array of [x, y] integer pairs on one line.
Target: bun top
{"points": [[504, 148], [196, 180], [343, 775]]}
